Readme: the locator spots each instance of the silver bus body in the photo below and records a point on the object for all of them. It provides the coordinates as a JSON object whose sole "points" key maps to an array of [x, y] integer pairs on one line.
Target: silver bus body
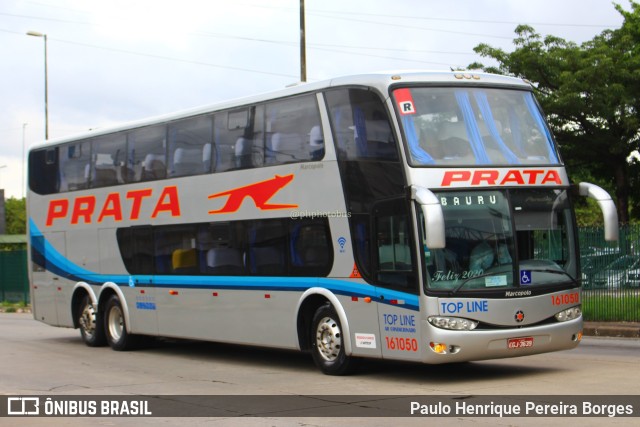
{"points": [[389, 295]]}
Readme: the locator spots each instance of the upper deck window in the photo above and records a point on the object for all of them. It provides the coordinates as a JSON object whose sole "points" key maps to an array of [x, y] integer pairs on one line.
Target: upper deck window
{"points": [[74, 166], [475, 126], [361, 125]]}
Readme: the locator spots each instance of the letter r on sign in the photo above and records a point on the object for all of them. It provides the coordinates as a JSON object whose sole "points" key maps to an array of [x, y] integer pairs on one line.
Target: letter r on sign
{"points": [[407, 107], [405, 101]]}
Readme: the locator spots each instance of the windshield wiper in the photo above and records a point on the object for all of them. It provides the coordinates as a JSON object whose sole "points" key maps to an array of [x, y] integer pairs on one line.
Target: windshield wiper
{"points": [[554, 271]]}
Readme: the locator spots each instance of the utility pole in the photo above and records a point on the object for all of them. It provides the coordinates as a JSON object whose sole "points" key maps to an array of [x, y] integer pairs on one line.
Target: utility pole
{"points": [[303, 49], [46, 83]]}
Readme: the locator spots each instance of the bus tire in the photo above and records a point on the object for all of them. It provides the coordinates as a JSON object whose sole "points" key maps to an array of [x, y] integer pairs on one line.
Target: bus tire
{"points": [[327, 344], [90, 323], [115, 326]]}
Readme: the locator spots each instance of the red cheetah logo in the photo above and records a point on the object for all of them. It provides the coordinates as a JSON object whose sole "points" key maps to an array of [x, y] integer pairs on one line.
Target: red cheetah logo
{"points": [[261, 192]]}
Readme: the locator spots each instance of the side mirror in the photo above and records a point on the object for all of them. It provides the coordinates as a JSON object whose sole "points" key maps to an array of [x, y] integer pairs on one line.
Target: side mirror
{"points": [[607, 207], [433, 217]]}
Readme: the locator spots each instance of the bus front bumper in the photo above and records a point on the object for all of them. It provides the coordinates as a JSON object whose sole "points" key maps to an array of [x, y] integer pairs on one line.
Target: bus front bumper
{"points": [[449, 346]]}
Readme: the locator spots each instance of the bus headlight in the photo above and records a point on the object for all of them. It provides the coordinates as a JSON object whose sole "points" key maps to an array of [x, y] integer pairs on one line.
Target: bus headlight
{"points": [[569, 314], [455, 323]]}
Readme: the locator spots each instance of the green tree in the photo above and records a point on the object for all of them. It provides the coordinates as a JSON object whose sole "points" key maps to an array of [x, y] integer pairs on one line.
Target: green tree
{"points": [[16, 216], [591, 95]]}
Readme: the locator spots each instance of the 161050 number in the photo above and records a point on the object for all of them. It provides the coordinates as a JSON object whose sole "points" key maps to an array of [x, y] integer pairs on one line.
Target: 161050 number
{"points": [[402, 344], [572, 298]]}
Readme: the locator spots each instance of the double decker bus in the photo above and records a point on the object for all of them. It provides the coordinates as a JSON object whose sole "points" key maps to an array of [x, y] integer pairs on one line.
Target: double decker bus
{"points": [[419, 216]]}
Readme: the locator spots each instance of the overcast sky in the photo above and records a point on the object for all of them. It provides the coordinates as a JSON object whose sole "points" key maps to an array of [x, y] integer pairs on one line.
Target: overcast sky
{"points": [[114, 61]]}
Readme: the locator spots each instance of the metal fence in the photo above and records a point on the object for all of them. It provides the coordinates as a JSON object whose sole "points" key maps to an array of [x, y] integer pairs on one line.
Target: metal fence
{"points": [[14, 283], [610, 275]]}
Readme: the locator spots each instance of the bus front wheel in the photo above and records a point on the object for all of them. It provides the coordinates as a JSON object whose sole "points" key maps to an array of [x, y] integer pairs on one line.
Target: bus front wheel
{"points": [[327, 342]]}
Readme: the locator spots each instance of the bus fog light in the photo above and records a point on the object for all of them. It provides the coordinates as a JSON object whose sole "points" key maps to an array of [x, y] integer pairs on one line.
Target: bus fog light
{"points": [[569, 314], [438, 347], [455, 323]]}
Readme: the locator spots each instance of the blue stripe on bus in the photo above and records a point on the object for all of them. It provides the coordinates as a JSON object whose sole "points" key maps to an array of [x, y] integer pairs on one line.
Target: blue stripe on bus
{"points": [[56, 263]]}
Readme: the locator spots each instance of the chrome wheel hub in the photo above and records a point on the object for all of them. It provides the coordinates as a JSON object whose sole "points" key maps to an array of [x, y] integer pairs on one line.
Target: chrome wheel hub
{"points": [[116, 323], [88, 320], [328, 339]]}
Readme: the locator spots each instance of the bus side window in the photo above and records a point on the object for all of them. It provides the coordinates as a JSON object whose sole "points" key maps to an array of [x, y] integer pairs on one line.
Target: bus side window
{"points": [[108, 160], [361, 125], [147, 153], [75, 162], [293, 130], [309, 247], [239, 139], [136, 249], [395, 261], [220, 252], [175, 250], [249, 147], [224, 138], [44, 175], [267, 250], [187, 141]]}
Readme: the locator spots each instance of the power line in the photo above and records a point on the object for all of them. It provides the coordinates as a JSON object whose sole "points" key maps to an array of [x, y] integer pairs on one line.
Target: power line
{"points": [[63, 21], [315, 46], [439, 19], [188, 61], [149, 55], [325, 45], [474, 21], [278, 42]]}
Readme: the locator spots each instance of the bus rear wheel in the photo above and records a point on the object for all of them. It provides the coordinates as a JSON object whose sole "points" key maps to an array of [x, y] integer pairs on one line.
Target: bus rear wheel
{"points": [[327, 343], [90, 322], [115, 326]]}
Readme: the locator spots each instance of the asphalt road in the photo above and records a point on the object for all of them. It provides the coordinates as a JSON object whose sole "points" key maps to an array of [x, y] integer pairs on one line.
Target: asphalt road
{"points": [[43, 360]]}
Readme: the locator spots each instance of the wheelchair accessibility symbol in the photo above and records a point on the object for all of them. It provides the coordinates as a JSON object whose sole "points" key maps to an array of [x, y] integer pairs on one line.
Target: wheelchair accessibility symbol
{"points": [[525, 277]]}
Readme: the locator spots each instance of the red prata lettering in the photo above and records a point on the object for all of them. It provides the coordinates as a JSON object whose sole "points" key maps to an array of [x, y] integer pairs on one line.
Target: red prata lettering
{"points": [[167, 202], [57, 209], [112, 207], [137, 196], [492, 177], [488, 176], [85, 207]]}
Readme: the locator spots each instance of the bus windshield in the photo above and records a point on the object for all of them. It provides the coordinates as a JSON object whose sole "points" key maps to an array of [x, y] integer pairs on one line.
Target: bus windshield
{"points": [[467, 126], [501, 239]]}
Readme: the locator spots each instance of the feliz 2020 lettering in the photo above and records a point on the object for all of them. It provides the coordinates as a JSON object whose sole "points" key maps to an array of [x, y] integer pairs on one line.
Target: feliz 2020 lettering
{"points": [[440, 276]]}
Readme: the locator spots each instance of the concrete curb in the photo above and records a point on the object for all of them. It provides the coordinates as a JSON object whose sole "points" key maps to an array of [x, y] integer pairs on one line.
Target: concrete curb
{"points": [[610, 329]]}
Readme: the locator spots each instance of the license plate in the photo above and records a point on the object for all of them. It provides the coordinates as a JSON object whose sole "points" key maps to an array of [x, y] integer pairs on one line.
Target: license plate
{"points": [[518, 343]]}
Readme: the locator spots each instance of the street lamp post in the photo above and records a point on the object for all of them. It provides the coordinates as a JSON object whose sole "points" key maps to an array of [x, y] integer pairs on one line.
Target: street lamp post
{"points": [[46, 84]]}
